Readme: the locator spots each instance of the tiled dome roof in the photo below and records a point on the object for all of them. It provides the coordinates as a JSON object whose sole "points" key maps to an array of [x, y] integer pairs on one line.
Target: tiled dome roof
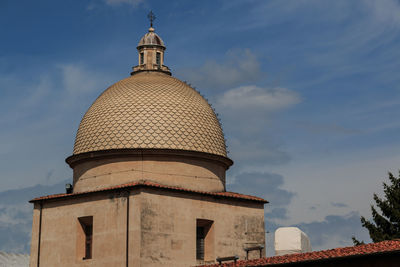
{"points": [[150, 110]]}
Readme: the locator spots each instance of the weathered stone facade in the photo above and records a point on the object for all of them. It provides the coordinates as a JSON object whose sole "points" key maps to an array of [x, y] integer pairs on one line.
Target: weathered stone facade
{"points": [[161, 230]]}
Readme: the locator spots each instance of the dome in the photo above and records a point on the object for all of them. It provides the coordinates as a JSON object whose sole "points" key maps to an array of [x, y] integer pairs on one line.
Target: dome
{"points": [[152, 39], [150, 110]]}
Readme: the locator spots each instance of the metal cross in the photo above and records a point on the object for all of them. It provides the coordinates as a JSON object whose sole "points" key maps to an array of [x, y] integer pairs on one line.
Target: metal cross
{"points": [[151, 17]]}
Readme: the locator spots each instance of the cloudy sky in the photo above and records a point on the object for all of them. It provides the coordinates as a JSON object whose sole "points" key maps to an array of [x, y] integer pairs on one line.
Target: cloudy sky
{"points": [[308, 92]]}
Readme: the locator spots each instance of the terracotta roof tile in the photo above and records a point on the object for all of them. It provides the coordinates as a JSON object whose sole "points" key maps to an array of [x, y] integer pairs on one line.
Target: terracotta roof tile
{"points": [[154, 185], [372, 248]]}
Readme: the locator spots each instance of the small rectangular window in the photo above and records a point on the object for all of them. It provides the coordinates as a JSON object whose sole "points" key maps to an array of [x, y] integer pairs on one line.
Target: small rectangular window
{"points": [[200, 243], [141, 58], [158, 58], [86, 237], [204, 240]]}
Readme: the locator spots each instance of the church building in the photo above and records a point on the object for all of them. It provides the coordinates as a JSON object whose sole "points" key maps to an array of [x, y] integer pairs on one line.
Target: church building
{"points": [[149, 189]]}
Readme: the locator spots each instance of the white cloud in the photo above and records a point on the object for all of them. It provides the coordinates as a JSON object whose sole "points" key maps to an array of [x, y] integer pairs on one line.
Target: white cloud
{"points": [[384, 11], [16, 216], [78, 79], [38, 92], [377, 11], [265, 185], [331, 231], [252, 97], [43, 115], [334, 231], [15, 227], [256, 150], [11, 214], [351, 178], [238, 67], [248, 114], [30, 96]]}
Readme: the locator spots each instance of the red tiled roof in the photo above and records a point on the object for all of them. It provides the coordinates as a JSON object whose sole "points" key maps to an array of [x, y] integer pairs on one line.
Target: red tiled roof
{"points": [[372, 248], [154, 185]]}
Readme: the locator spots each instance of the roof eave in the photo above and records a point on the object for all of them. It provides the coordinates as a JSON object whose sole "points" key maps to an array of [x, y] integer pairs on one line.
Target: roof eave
{"points": [[149, 185]]}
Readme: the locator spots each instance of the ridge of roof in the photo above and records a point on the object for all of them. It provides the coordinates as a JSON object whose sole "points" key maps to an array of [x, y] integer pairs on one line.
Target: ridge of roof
{"points": [[366, 249], [152, 185]]}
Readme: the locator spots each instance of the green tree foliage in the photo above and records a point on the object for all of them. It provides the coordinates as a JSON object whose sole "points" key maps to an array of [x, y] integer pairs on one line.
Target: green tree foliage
{"points": [[385, 226], [356, 242]]}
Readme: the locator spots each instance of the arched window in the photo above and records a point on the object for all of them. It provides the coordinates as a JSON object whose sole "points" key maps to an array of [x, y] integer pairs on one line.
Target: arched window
{"points": [[158, 59], [141, 58]]}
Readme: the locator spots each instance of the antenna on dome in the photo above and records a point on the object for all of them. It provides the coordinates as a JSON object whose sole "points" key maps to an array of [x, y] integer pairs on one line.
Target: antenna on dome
{"points": [[151, 17]]}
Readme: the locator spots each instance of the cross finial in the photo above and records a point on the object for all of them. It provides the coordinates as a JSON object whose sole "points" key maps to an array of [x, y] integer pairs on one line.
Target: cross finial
{"points": [[151, 17]]}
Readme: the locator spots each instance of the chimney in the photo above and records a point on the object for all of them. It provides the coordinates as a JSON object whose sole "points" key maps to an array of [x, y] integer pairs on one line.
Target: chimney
{"points": [[290, 240]]}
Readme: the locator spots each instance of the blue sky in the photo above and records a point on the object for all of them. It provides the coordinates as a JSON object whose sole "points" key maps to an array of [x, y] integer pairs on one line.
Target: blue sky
{"points": [[308, 92]]}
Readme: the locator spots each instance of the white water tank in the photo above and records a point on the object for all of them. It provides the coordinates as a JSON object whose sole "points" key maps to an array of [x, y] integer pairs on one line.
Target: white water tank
{"points": [[289, 240]]}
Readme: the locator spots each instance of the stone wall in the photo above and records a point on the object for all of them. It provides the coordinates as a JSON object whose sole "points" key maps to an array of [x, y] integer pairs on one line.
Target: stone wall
{"points": [[168, 170], [162, 228]]}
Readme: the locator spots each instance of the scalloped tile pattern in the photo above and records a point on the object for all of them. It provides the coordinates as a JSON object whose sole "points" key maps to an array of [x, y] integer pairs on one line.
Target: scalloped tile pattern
{"points": [[150, 110]]}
